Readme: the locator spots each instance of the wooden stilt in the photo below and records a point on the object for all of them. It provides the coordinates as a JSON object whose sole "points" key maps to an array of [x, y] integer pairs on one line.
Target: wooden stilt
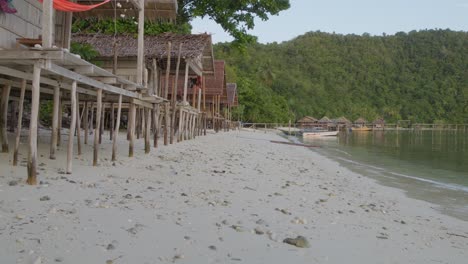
{"points": [[179, 135], [20, 121], [137, 122], [13, 109], [3, 117], [148, 131], [32, 156], [98, 124], [59, 127], [143, 122], [168, 70], [156, 111], [166, 123], [85, 121], [174, 95], [72, 128], [112, 124], [78, 124], [55, 121], [101, 127], [132, 114], [117, 127], [91, 121]]}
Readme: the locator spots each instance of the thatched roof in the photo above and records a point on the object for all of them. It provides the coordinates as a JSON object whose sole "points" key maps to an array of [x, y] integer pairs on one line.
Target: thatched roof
{"points": [[379, 121], [196, 47], [325, 119], [343, 120], [154, 9], [307, 119], [360, 121]]}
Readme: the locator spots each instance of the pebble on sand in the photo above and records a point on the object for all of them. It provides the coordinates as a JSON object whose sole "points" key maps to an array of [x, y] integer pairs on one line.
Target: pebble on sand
{"points": [[299, 241]]}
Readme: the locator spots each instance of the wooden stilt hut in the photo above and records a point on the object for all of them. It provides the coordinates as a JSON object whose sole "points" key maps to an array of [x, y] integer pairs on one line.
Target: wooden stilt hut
{"points": [[307, 122], [35, 63], [215, 86]]}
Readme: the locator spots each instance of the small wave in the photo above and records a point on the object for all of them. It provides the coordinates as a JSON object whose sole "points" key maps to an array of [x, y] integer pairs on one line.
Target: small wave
{"points": [[450, 186]]}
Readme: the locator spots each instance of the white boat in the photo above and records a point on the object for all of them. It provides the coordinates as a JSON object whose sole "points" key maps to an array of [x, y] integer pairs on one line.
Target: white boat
{"points": [[320, 133]]}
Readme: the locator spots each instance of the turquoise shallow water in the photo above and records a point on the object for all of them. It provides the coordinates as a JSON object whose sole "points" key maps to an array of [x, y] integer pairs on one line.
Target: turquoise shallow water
{"points": [[427, 165]]}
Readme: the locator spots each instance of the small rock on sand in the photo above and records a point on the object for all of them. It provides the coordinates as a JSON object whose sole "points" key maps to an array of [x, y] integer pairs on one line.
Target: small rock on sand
{"points": [[44, 198], [299, 241]]}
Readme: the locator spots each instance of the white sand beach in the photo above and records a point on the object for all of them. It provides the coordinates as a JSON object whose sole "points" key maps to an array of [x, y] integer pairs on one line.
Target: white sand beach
{"points": [[231, 197]]}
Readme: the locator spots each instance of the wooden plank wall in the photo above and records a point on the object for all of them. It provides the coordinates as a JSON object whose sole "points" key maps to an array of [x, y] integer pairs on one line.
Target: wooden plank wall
{"points": [[26, 23]]}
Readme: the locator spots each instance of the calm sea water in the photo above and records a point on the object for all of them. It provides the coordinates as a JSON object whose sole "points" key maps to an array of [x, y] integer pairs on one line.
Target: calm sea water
{"points": [[427, 165]]}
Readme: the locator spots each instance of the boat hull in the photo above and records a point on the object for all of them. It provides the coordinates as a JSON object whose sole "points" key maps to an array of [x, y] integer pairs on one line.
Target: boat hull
{"points": [[320, 134]]}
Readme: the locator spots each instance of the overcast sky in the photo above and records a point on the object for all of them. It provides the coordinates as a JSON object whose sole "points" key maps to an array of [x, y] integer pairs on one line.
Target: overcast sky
{"points": [[352, 16]]}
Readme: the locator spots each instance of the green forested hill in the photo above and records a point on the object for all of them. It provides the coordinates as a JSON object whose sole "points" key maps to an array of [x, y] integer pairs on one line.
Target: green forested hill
{"points": [[421, 76]]}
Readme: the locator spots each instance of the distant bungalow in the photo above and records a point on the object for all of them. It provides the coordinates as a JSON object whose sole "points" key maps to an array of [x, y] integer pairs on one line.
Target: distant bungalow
{"points": [[307, 122]]}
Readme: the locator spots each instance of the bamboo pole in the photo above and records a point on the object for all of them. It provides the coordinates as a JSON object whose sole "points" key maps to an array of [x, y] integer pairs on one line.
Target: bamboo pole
{"points": [[35, 96], [186, 81], [91, 121], [168, 69], [180, 124], [3, 116], [72, 128], [98, 124], [132, 113], [20, 120], [155, 78], [117, 127]]}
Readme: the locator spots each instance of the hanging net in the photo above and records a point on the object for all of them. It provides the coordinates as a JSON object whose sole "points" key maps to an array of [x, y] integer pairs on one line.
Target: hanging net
{"points": [[7, 7], [67, 6]]}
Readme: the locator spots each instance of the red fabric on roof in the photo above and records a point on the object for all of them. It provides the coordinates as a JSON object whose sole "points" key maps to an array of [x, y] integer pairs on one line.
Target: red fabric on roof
{"points": [[67, 6]]}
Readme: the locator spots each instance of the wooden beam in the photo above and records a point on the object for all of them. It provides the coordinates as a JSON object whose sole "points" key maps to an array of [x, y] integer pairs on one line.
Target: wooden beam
{"points": [[131, 126], [71, 132], [174, 95], [148, 130], [20, 120], [88, 81], [78, 124], [186, 83], [3, 116], [32, 157]]}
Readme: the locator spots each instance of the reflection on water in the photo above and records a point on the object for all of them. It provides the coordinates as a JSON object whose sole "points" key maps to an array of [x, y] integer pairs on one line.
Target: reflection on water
{"points": [[428, 165]]}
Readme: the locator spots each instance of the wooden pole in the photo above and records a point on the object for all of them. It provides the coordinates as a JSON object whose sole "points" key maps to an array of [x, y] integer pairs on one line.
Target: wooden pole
{"points": [[78, 124], [55, 121], [101, 123], [47, 23], [86, 125], [199, 99], [98, 124], [3, 117], [112, 124], [174, 95], [72, 128], [168, 69], [59, 128], [155, 78], [20, 120], [32, 156], [148, 130], [117, 127], [132, 113], [186, 81], [141, 44], [156, 111], [166, 123], [179, 136], [91, 123]]}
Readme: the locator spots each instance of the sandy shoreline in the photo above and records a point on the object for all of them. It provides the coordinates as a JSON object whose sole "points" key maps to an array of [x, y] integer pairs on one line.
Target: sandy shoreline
{"points": [[200, 201]]}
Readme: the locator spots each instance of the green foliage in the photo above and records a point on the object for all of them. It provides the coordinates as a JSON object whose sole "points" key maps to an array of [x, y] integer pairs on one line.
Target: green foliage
{"points": [[45, 112], [86, 51], [126, 26], [235, 17], [419, 76]]}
